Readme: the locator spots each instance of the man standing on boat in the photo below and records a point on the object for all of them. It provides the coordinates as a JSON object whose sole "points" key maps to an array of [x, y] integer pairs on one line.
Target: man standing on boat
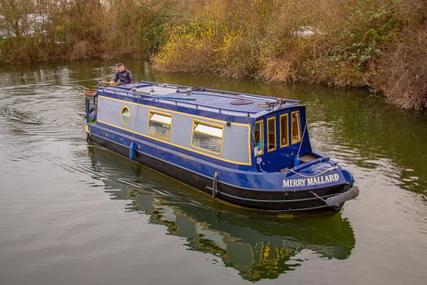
{"points": [[122, 76]]}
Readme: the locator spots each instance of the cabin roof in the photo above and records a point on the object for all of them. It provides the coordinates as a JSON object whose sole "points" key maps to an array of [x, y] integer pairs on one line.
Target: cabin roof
{"points": [[238, 104]]}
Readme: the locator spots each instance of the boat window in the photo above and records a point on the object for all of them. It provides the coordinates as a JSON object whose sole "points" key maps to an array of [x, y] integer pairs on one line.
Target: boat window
{"points": [[125, 115], [207, 136], [295, 127], [271, 133], [284, 134], [259, 138], [160, 124]]}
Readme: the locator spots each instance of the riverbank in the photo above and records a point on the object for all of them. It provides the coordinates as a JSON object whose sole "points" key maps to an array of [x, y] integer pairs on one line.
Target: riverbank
{"points": [[375, 44]]}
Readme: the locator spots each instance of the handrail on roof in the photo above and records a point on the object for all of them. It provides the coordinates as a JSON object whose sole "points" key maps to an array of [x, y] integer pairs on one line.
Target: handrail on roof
{"points": [[177, 101], [247, 95], [197, 106]]}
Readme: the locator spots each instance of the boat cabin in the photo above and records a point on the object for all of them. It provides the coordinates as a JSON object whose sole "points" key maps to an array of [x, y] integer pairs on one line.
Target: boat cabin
{"points": [[240, 131]]}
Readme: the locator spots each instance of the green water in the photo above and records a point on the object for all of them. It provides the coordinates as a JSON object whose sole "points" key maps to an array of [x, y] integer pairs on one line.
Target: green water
{"points": [[72, 213]]}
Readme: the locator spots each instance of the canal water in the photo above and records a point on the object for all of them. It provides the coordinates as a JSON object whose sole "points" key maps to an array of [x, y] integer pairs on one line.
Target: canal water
{"points": [[73, 213]]}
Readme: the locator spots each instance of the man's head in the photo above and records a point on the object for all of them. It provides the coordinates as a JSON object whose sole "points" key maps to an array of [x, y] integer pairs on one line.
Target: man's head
{"points": [[120, 67]]}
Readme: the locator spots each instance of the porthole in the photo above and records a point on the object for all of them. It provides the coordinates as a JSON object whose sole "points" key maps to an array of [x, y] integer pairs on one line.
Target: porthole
{"points": [[125, 115]]}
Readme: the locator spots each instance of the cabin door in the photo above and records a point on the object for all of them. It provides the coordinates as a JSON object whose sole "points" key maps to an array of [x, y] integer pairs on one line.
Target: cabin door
{"points": [[271, 144], [266, 143]]}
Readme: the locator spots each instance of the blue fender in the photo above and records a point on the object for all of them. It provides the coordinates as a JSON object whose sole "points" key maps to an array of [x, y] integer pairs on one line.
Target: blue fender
{"points": [[132, 151]]}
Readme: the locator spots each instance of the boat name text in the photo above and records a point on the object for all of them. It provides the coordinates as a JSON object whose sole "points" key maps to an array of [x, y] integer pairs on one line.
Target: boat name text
{"points": [[310, 181]]}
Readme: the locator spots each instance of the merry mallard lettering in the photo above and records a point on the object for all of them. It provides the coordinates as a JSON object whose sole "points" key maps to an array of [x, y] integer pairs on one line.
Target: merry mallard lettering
{"points": [[310, 181]]}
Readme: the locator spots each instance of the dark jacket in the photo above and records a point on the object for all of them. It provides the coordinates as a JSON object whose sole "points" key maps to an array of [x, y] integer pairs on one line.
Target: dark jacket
{"points": [[123, 77]]}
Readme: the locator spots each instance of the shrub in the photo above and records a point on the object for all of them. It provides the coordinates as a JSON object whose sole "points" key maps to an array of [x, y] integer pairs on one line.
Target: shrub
{"points": [[403, 70], [190, 47], [379, 43]]}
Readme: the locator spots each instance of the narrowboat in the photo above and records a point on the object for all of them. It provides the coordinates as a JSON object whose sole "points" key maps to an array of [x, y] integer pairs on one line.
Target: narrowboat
{"points": [[250, 150]]}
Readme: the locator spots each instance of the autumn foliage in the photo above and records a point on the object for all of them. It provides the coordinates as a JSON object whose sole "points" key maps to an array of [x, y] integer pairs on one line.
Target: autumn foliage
{"points": [[357, 43]]}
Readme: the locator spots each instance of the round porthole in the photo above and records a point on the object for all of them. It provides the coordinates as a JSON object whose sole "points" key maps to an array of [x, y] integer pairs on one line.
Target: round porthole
{"points": [[125, 115]]}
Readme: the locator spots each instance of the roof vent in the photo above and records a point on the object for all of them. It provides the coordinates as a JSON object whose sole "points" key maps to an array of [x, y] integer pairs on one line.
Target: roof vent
{"points": [[241, 101], [186, 91]]}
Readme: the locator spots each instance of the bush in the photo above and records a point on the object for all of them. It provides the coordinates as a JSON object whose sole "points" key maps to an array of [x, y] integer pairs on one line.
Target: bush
{"points": [[403, 73], [190, 47], [379, 43]]}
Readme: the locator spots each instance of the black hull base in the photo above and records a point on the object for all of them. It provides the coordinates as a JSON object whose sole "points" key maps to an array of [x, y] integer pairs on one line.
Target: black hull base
{"points": [[271, 201]]}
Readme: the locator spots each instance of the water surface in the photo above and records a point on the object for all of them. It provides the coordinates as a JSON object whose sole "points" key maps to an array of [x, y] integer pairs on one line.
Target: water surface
{"points": [[73, 213]]}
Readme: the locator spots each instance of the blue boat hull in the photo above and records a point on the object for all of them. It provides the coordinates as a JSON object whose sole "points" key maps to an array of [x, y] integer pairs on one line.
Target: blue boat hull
{"points": [[328, 197]]}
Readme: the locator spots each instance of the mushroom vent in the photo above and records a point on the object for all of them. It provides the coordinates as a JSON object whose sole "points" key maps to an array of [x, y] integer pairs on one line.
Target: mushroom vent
{"points": [[241, 101]]}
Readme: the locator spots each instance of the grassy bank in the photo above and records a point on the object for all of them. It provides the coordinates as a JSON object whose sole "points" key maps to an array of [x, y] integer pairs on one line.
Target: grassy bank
{"points": [[375, 43]]}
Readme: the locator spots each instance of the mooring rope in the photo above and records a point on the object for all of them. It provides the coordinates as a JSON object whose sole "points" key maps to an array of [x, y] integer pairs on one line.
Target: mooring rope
{"points": [[302, 139]]}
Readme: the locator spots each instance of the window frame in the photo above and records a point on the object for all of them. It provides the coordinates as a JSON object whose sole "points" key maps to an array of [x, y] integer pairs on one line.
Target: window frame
{"points": [[154, 134], [287, 130], [299, 127], [261, 123], [273, 118], [193, 128]]}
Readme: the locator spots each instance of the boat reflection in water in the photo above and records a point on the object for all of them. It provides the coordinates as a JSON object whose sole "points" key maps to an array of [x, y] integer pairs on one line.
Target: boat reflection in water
{"points": [[257, 244]]}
